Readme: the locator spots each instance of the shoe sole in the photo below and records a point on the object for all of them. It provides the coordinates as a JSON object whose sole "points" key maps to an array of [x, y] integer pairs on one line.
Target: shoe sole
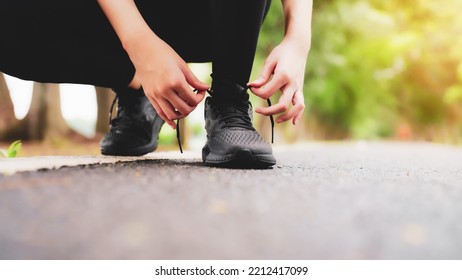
{"points": [[135, 152], [240, 159]]}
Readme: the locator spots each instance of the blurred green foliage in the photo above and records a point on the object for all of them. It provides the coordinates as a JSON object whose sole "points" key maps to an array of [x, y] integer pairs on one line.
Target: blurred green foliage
{"points": [[380, 69]]}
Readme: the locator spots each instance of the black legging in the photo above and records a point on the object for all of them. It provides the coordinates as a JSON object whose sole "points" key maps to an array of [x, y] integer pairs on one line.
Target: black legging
{"points": [[62, 41]]}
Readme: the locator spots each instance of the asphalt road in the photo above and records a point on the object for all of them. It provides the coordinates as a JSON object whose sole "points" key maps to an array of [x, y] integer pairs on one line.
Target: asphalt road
{"points": [[322, 201]]}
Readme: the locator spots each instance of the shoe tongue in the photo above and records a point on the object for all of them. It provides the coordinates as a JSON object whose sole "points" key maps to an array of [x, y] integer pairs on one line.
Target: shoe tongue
{"points": [[235, 113], [229, 109]]}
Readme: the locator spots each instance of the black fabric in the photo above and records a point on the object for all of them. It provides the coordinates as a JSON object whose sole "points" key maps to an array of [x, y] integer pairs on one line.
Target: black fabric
{"points": [[72, 41], [236, 26], [61, 41]]}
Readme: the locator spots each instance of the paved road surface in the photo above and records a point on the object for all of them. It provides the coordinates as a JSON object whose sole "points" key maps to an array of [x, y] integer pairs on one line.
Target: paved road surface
{"points": [[322, 201]]}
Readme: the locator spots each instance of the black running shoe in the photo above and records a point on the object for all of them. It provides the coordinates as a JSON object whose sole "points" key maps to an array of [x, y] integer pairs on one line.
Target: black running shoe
{"points": [[135, 129], [232, 141]]}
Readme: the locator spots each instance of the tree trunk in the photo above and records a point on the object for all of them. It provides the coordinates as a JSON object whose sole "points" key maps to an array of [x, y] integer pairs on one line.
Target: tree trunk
{"points": [[7, 116], [44, 121], [104, 97]]}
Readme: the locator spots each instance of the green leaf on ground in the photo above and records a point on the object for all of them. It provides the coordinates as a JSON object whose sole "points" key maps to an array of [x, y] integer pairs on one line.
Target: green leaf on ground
{"points": [[14, 149]]}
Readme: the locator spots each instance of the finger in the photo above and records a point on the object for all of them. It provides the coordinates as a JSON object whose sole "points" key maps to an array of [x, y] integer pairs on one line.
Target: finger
{"points": [[161, 113], [192, 80], [296, 110], [299, 99], [268, 70], [281, 107], [188, 95], [180, 105], [169, 109], [200, 95], [297, 118], [271, 87]]}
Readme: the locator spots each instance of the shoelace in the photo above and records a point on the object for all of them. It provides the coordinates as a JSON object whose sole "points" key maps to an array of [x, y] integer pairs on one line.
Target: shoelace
{"points": [[272, 121], [112, 109], [178, 136], [121, 122], [230, 116]]}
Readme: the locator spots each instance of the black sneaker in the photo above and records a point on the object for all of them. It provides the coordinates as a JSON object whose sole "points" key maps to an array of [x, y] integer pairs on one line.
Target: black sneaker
{"points": [[135, 130], [232, 141]]}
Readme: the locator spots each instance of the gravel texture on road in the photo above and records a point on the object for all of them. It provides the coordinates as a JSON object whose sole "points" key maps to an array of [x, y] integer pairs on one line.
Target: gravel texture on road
{"points": [[322, 201]]}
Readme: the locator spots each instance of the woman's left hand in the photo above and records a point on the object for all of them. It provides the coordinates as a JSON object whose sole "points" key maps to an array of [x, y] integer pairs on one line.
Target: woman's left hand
{"points": [[284, 70]]}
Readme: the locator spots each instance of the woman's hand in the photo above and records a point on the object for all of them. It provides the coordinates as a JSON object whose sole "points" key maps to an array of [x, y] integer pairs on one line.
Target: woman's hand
{"points": [[285, 67], [284, 70], [165, 78]]}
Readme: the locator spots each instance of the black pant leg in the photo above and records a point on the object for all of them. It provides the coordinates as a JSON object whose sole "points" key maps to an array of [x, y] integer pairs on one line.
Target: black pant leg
{"points": [[236, 27], [184, 24], [61, 42], [72, 41]]}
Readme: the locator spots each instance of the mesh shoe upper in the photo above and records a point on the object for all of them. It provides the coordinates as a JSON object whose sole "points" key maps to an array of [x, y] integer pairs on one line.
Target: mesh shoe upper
{"points": [[228, 122]]}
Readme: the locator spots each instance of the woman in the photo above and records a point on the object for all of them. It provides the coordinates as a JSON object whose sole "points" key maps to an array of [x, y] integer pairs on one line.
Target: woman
{"points": [[140, 49]]}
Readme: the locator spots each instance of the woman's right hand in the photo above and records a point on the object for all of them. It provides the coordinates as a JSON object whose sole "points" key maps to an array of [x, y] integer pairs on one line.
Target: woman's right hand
{"points": [[165, 78]]}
